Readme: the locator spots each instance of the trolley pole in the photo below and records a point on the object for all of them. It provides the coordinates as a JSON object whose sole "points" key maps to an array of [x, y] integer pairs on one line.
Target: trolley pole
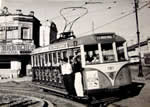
{"points": [[136, 2]]}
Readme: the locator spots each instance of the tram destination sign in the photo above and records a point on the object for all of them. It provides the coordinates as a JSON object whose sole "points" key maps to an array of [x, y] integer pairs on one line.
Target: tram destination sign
{"points": [[58, 46], [101, 37]]}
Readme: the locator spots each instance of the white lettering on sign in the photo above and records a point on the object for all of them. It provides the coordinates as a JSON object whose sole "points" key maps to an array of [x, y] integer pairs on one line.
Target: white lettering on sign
{"points": [[58, 46], [15, 49], [8, 28], [104, 37]]}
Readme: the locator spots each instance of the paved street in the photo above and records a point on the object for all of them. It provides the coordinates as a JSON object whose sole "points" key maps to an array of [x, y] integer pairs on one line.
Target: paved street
{"points": [[23, 84], [143, 99]]}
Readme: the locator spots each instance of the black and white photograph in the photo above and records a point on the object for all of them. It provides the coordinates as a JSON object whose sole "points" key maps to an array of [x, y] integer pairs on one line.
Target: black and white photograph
{"points": [[74, 53]]}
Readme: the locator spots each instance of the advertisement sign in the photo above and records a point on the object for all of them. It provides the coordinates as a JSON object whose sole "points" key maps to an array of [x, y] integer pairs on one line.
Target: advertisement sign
{"points": [[12, 49], [8, 28], [92, 79]]}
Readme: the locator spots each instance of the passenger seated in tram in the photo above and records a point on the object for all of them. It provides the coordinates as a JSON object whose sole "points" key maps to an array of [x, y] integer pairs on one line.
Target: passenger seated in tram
{"points": [[92, 57], [67, 71]]}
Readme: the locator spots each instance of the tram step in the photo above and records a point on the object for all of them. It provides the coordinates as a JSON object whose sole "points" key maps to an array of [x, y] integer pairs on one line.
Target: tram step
{"points": [[105, 100]]}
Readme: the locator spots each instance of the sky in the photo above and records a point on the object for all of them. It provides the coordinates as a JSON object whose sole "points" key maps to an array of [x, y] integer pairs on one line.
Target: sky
{"points": [[103, 16]]}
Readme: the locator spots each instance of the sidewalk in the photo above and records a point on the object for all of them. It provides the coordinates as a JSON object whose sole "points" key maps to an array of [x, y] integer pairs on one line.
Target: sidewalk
{"points": [[26, 78]]}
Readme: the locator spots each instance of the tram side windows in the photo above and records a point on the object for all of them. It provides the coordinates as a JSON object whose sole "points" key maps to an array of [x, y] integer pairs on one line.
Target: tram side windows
{"points": [[49, 59], [35, 61], [60, 57], [38, 60], [41, 60], [32, 61], [91, 54], [54, 58], [120, 52], [70, 55], [64, 54], [108, 52], [45, 59]]}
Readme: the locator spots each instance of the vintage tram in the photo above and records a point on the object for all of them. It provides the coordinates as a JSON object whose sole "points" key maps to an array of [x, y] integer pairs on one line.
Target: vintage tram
{"points": [[108, 72]]}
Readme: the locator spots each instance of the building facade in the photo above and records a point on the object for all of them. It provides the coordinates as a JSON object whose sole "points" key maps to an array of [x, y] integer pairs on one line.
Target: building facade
{"points": [[133, 50], [19, 35]]}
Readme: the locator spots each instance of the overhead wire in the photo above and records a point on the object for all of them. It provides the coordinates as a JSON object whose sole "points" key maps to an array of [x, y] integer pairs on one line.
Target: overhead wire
{"points": [[117, 19], [84, 4]]}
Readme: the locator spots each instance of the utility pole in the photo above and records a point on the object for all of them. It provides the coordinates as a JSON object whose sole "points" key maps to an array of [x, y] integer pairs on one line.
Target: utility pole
{"points": [[136, 2], [92, 26]]}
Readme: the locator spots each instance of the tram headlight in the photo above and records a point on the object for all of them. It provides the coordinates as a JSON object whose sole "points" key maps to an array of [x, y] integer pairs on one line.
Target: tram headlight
{"points": [[123, 77]]}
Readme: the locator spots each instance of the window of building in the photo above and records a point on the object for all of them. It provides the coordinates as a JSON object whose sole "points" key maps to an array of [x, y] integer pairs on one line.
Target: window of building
{"points": [[25, 33], [2, 35], [11, 32], [4, 65]]}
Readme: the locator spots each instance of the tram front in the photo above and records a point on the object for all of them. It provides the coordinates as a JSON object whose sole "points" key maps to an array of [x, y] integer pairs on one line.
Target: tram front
{"points": [[105, 65]]}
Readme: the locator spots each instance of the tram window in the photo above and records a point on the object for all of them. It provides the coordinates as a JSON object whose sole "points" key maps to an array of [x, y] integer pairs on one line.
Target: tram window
{"points": [[59, 56], [41, 60], [70, 52], [50, 59], [108, 53], [54, 58], [76, 51], [35, 61], [38, 60], [120, 52], [64, 54], [32, 61], [91, 54], [46, 58]]}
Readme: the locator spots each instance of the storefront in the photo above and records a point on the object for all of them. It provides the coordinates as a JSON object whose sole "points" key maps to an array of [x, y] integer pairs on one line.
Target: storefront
{"points": [[18, 37]]}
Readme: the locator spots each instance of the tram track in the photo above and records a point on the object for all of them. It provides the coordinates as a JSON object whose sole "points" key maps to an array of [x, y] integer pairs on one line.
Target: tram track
{"points": [[49, 99], [25, 98]]}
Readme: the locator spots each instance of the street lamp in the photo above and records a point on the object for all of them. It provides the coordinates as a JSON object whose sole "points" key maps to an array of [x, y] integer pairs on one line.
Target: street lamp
{"points": [[136, 2]]}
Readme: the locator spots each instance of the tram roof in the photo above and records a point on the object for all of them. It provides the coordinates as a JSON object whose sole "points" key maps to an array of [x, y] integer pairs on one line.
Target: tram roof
{"points": [[102, 38], [97, 38]]}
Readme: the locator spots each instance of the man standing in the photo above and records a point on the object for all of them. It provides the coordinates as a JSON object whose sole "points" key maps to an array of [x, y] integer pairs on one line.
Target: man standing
{"points": [[78, 76], [66, 70]]}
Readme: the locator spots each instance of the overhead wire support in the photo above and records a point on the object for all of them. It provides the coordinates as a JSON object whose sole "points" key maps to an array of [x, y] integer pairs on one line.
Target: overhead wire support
{"points": [[136, 2]]}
